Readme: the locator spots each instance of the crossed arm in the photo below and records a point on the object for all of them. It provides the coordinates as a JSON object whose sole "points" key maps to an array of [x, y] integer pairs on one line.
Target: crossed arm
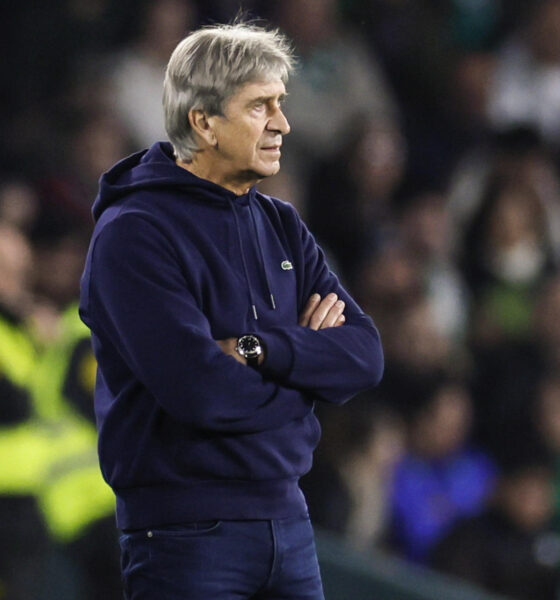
{"points": [[319, 313], [311, 359]]}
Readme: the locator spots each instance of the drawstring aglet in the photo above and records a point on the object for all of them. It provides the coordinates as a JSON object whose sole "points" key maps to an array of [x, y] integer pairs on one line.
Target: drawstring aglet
{"points": [[273, 304], [255, 312]]}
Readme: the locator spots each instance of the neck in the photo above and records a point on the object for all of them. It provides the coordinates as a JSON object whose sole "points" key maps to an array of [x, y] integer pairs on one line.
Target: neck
{"points": [[238, 185]]}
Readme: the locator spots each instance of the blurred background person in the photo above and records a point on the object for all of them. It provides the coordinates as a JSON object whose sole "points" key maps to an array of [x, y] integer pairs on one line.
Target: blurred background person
{"points": [[348, 489], [546, 413], [138, 73], [91, 142], [350, 203], [506, 375], [442, 477], [427, 233], [514, 156], [507, 255], [56, 511], [526, 85], [337, 81], [19, 204], [511, 548], [24, 541]]}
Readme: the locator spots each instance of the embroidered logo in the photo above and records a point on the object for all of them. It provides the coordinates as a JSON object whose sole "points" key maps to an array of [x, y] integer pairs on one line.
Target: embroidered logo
{"points": [[286, 265]]}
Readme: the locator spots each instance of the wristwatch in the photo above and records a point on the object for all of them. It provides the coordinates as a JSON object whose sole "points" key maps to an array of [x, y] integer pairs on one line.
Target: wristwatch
{"points": [[249, 346]]}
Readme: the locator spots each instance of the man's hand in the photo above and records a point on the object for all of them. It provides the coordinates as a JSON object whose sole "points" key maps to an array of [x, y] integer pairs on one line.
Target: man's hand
{"points": [[317, 314], [320, 314], [228, 347]]}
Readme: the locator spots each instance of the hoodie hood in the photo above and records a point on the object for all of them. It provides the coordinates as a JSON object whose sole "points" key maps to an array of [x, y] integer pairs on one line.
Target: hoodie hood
{"points": [[155, 168]]}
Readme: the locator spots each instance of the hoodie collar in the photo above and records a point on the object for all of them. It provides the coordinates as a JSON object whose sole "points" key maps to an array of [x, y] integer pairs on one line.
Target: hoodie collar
{"points": [[155, 168]]}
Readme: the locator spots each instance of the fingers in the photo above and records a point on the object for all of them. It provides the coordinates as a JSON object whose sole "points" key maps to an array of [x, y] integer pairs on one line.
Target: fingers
{"points": [[327, 313], [333, 315], [310, 307], [228, 347]]}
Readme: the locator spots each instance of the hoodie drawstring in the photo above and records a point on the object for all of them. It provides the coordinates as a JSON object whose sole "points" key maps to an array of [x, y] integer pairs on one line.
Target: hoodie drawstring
{"points": [[244, 260], [261, 253]]}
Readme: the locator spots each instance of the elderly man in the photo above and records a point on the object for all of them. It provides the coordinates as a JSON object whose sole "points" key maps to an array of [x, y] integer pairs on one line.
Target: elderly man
{"points": [[217, 325]]}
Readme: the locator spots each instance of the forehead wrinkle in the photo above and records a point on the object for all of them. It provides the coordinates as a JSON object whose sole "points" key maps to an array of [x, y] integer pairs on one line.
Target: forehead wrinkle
{"points": [[266, 99]]}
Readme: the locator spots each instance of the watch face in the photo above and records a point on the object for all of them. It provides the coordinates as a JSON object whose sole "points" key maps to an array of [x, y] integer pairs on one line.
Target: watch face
{"points": [[249, 345]]}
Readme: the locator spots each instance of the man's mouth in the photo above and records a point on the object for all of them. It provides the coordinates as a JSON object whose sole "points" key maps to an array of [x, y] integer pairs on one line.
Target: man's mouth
{"points": [[272, 146]]}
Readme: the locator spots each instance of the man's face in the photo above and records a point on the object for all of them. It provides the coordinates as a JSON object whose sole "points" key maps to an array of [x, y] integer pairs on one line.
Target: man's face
{"points": [[249, 135]]}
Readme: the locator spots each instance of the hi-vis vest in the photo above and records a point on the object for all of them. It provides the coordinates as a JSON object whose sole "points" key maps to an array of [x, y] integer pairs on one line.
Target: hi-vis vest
{"points": [[23, 452], [53, 454]]}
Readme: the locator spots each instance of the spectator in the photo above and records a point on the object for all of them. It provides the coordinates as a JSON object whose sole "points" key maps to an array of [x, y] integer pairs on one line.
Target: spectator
{"points": [[507, 255], [506, 376], [388, 283], [138, 74], [24, 543], [547, 420], [526, 85], [348, 488], [15, 270], [511, 548], [423, 46], [19, 204], [337, 81], [441, 478], [516, 156], [468, 125], [417, 345], [427, 233], [350, 201], [57, 268], [94, 142]]}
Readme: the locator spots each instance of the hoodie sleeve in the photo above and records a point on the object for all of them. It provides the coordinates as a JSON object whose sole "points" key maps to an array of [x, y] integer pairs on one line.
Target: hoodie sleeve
{"points": [[335, 363], [139, 302]]}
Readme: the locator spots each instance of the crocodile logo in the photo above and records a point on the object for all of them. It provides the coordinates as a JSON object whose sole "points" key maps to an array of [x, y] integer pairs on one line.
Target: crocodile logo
{"points": [[286, 265]]}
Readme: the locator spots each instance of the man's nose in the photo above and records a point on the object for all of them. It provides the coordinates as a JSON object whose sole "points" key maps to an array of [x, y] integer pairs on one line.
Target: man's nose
{"points": [[278, 122]]}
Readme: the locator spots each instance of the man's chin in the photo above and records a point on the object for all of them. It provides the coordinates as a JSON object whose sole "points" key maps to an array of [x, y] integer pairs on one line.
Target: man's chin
{"points": [[262, 172], [269, 170]]}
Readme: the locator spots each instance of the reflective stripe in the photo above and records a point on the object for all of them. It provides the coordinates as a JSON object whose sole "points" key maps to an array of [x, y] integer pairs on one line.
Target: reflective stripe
{"points": [[17, 354], [51, 369], [74, 495], [24, 456], [23, 453]]}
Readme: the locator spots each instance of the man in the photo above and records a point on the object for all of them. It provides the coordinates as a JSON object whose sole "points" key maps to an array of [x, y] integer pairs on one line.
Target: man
{"points": [[217, 326]]}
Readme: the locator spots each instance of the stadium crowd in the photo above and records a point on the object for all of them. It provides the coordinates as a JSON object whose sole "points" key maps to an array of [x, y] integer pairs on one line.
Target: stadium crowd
{"points": [[425, 157]]}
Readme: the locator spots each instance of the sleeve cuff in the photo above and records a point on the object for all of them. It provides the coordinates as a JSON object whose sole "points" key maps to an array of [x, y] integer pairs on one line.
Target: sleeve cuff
{"points": [[279, 355]]}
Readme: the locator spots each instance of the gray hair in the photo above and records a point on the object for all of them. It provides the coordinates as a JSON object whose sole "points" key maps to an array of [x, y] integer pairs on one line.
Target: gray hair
{"points": [[209, 65]]}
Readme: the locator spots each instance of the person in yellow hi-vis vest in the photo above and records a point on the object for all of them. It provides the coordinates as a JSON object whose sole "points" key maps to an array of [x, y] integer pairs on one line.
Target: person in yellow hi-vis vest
{"points": [[24, 458], [77, 504], [53, 500], [24, 451]]}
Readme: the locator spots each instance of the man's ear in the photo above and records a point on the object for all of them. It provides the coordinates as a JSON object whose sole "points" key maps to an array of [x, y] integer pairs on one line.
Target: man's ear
{"points": [[200, 123]]}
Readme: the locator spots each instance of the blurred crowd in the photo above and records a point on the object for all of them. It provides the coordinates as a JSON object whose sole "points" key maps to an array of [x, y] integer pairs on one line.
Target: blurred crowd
{"points": [[425, 157]]}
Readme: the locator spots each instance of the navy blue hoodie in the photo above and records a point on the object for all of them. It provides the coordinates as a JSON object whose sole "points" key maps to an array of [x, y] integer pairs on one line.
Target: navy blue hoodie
{"points": [[185, 431]]}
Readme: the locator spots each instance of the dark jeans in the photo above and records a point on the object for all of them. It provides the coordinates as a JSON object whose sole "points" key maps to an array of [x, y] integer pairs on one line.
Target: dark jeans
{"points": [[222, 560]]}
